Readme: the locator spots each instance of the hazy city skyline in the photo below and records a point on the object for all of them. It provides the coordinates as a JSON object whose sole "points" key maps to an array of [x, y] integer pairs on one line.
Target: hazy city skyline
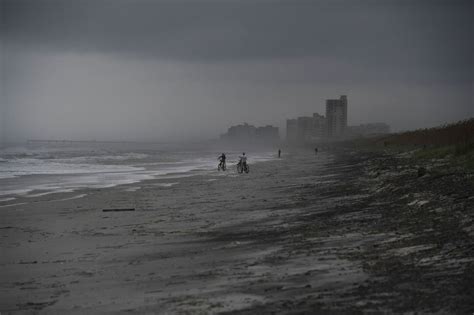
{"points": [[178, 70]]}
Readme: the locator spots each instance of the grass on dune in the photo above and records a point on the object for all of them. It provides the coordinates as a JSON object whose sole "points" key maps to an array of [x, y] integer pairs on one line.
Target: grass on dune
{"points": [[454, 142]]}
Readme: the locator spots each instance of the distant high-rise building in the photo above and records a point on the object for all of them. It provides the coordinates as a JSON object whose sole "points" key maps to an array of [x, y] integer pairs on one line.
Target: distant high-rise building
{"points": [[305, 128], [319, 126], [267, 133], [242, 133], [336, 116], [246, 133], [291, 130]]}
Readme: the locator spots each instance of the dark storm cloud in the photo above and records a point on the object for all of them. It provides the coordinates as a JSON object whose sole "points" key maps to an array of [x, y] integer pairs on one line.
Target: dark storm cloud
{"points": [[183, 69], [419, 40]]}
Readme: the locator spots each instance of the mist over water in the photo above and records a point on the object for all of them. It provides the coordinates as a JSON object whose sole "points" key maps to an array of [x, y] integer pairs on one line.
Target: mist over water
{"points": [[39, 169]]}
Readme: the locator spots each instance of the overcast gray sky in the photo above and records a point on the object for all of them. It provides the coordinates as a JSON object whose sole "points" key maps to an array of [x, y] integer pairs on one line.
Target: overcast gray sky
{"points": [[181, 70]]}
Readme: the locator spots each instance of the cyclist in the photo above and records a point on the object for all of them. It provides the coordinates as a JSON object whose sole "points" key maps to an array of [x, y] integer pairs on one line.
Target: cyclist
{"points": [[222, 161], [243, 159], [243, 163]]}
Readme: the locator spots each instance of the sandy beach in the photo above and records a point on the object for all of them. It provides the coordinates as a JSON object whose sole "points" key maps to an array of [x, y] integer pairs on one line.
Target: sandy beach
{"points": [[343, 232]]}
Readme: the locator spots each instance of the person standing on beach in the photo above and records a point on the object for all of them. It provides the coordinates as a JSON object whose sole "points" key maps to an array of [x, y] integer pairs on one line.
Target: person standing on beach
{"points": [[279, 153], [315, 151]]}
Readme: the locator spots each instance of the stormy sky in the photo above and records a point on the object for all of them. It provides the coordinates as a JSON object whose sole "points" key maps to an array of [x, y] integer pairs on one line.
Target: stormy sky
{"points": [[188, 69]]}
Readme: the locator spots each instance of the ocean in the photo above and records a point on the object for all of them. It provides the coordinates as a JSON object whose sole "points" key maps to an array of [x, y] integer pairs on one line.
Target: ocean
{"points": [[35, 169]]}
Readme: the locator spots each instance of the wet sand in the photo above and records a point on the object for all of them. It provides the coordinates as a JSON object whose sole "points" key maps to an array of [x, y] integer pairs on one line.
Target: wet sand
{"points": [[342, 232]]}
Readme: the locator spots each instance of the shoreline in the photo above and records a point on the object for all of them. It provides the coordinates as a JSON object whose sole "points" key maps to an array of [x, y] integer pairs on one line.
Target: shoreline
{"points": [[142, 176], [336, 233]]}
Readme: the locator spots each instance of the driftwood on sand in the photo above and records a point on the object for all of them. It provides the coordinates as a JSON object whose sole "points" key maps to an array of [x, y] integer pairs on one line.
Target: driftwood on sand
{"points": [[118, 210]]}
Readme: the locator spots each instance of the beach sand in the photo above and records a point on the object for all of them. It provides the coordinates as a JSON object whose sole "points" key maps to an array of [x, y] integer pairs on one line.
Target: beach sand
{"points": [[341, 232]]}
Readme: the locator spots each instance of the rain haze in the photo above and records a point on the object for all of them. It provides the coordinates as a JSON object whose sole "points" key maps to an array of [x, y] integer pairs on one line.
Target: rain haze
{"points": [[187, 70], [236, 157]]}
